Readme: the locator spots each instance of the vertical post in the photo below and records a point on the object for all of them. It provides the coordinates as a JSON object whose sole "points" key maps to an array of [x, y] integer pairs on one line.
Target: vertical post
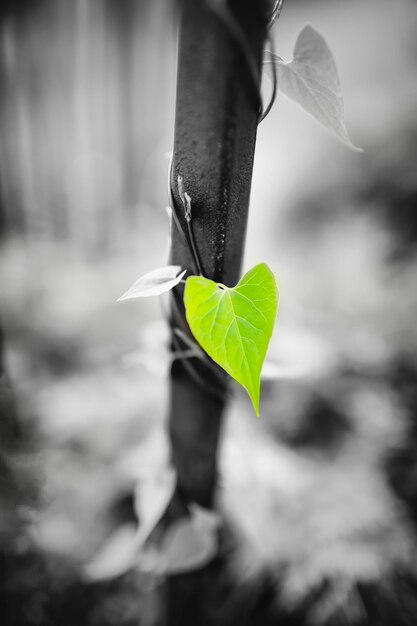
{"points": [[217, 111], [217, 108]]}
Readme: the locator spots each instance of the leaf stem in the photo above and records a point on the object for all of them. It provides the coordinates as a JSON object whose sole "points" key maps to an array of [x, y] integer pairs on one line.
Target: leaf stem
{"points": [[276, 12], [265, 112], [186, 201], [194, 248]]}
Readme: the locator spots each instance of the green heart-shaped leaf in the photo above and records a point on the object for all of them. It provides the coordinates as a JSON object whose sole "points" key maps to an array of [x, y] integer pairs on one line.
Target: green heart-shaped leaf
{"points": [[234, 324]]}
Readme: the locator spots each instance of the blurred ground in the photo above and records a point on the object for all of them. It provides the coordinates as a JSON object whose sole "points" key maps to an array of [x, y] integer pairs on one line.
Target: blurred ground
{"points": [[85, 125]]}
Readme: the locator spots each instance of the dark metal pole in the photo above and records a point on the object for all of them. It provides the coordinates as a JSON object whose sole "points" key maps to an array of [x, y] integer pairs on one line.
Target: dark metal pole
{"points": [[217, 108], [217, 112]]}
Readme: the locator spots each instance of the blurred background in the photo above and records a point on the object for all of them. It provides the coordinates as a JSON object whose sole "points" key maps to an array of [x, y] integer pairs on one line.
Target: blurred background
{"points": [[86, 126]]}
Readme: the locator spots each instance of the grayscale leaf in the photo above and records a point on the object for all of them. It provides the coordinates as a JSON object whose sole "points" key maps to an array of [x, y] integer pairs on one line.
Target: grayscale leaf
{"points": [[116, 556], [152, 496], [190, 543], [311, 79], [154, 283], [208, 521]]}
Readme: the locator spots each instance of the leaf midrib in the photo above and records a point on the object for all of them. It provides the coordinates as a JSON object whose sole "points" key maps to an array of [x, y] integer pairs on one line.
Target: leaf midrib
{"points": [[235, 316]]}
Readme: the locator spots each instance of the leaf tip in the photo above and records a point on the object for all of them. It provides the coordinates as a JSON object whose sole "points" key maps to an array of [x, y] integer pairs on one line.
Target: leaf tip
{"points": [[255, 403], [355, 148], [254, 395]]}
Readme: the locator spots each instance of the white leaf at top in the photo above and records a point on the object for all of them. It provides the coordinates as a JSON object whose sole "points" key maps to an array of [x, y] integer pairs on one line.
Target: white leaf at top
{"points": [[311, 79], [154, 283]]}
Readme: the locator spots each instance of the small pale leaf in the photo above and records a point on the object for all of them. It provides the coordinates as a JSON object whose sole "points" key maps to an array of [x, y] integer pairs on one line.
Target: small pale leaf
{"points": [[152, 496], [154, 283], [311, 79], [115, 557], [190, 543], [206, 520], [234, 325]]}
